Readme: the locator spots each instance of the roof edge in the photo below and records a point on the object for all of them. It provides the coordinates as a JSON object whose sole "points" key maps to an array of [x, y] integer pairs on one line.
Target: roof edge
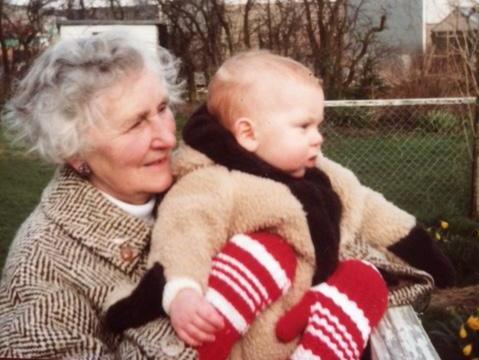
{"points": [[65, 22]]}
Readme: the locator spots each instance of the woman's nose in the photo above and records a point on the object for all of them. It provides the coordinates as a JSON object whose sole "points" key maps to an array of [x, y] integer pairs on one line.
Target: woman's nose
{"points": [[166, 139], [163, 133]]}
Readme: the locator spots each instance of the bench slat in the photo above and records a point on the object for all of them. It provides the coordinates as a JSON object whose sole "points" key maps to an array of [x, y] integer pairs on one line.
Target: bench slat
{"points": [[400, 335]]}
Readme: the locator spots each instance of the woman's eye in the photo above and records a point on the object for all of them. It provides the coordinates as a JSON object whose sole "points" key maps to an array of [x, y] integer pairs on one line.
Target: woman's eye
{"points": [[136, 124], [162, 108]]}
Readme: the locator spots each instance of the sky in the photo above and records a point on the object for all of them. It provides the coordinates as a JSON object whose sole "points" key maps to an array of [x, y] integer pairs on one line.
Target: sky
{"points": [[437, 10]]}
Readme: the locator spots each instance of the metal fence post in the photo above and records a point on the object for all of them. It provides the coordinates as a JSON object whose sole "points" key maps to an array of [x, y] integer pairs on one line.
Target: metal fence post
{"points": [[475, 174]]}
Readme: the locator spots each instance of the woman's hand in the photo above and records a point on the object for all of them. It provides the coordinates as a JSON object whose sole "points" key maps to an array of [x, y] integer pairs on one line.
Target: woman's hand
{"points": [[193, 318]]}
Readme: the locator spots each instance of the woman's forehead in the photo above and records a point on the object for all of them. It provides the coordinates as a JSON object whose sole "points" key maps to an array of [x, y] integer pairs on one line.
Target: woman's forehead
{"points": [[133, 94]]}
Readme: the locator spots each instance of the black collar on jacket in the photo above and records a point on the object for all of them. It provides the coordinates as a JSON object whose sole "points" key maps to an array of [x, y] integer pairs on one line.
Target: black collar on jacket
{"points": [[320, 203]]}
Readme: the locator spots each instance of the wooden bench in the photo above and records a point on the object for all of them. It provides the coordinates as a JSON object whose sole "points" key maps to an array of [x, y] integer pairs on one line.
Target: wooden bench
{"points": [[400, 336]]}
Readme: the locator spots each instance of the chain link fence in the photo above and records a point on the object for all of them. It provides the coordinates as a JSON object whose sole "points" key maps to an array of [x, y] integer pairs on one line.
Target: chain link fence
{"points": [[417, 152]]}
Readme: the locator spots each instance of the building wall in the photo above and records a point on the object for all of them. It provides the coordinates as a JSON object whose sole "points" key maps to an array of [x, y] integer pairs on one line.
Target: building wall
{"points": [[147, 32]]}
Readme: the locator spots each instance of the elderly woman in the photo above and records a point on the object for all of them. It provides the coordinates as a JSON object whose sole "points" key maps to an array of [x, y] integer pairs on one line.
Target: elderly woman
{"points": [[99, 107]]}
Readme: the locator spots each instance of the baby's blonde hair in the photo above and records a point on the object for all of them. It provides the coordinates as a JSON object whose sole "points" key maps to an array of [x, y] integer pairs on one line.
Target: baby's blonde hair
{"points": [[233, 90]]}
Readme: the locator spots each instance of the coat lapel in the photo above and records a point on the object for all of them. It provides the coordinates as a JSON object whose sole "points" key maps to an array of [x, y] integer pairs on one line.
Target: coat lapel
{"points": [[89, 218]]}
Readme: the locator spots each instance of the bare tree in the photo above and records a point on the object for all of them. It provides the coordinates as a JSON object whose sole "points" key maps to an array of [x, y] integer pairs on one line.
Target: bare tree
{"points": [[465, 52], [116, 9], [72, 5], [337, 39], [246, 23], [341, 36], [281, 28], [20, 26], [454, 50], [200, 32], [5, 61]]}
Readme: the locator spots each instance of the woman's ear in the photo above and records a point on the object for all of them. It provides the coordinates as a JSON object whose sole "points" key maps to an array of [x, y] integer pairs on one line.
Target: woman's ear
{"points": [[80, 166], [245, 134], [76, 162]]}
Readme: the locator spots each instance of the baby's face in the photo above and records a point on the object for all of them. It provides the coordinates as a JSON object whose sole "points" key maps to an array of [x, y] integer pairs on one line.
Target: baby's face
{"points": [[288, 134]]}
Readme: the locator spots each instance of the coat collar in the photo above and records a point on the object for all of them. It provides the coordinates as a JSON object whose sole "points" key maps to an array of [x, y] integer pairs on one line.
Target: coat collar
{"points": [[86, 216], [204, 133]]}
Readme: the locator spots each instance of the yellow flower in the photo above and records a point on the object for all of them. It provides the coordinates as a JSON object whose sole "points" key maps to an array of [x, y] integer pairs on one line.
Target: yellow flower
{"points": [[462, 332], [444, 224], [438, 236], [473, 322], [466, 350]]}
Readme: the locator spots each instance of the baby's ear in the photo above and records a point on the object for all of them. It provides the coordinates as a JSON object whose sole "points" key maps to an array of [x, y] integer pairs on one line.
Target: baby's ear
{"points": [[245, 134]]}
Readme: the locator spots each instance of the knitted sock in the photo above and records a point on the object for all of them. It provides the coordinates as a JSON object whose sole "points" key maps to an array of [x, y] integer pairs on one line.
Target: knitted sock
{"points": [[337, 316], [249, 273]]}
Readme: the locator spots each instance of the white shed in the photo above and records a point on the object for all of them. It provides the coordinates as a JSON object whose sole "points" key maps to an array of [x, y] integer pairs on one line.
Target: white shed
{"points": [[149, 30]]}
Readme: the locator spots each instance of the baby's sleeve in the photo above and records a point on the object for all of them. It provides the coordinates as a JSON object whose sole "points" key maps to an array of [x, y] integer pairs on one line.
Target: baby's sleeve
{"points": [[192, 226]]}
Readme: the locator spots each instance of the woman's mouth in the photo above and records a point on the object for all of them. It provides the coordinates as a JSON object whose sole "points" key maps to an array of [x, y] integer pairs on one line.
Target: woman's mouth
{"points": [[157, 162]]}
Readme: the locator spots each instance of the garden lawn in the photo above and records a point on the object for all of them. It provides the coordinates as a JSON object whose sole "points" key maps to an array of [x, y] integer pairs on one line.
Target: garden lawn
{"points": [[426, 174], [22, 179]]}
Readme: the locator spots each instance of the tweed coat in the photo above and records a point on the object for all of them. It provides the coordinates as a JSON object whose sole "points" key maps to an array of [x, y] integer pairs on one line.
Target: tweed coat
{"points": [[220, 203], [63, 262]]}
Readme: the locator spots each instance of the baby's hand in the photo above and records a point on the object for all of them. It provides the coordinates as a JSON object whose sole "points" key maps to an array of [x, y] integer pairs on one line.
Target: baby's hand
{"points": [[193, 318]]}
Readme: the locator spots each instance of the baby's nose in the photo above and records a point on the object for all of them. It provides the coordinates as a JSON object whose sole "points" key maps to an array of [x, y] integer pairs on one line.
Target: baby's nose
{"points": [[317, 139]]}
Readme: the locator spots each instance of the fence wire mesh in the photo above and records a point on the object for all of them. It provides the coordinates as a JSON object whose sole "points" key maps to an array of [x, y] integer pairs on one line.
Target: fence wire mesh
{"points": [[418, 153]]}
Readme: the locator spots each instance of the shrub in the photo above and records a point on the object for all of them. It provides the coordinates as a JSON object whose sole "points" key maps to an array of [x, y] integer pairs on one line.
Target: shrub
{"points": [[349, 117], [442, 327], [462, 250], [469, 336], [438, 121]]}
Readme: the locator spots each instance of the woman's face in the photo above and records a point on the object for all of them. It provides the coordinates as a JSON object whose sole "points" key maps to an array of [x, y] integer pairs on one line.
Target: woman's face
{"points": [[130, 153]]}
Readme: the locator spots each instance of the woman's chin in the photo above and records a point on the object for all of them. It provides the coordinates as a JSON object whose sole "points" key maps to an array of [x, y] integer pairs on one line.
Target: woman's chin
{"points": [[158, 181]]}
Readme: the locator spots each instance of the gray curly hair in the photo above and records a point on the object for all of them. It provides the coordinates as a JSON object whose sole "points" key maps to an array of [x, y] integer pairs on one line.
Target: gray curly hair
{"points": [[54, 105]]}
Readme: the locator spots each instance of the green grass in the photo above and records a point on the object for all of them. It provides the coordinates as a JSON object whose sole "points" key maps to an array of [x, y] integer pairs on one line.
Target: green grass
{"points": [[426, 174], [22, 178]]}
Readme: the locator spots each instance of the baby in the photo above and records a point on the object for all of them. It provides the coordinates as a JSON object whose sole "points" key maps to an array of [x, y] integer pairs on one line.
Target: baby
{"points": [[251, 162]]}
